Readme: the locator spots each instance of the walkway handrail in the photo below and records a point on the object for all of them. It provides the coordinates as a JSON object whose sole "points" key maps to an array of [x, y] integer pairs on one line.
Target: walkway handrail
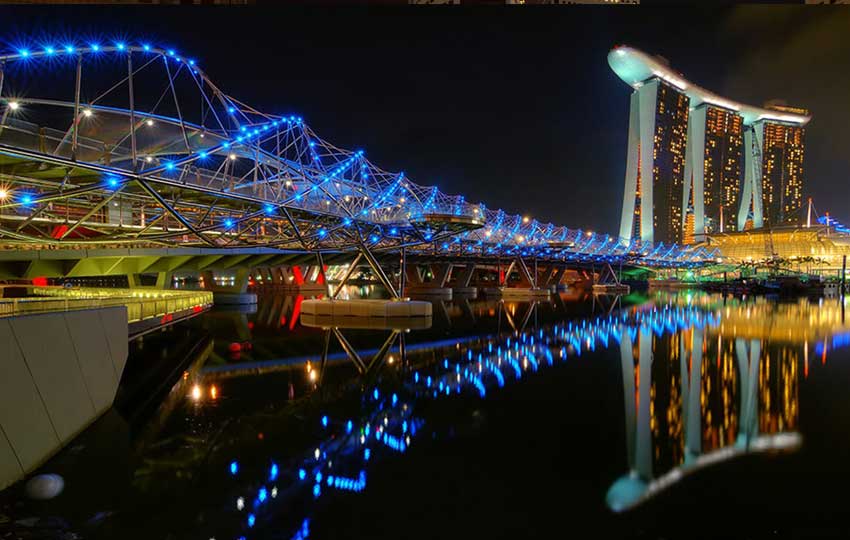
{"points": [[141, 304]]}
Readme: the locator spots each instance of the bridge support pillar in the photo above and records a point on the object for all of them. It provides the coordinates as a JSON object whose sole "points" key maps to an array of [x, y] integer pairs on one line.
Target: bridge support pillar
{"points": [[526, 287], [163, 281], [436, 287], [461, 285], [229, 288]]}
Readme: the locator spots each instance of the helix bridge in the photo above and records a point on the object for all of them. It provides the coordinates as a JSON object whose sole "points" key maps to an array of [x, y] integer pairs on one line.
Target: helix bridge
{"points": [[129, 145]]}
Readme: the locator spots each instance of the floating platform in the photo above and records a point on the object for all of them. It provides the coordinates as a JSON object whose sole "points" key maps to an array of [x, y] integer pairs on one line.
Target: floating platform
{"points": [[524, 293], [366, 323], [466, 292], [366, 308], [611, 288]]}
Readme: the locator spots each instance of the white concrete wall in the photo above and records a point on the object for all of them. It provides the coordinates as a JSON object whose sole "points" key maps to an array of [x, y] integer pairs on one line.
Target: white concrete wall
{"points": [[58, 373]]}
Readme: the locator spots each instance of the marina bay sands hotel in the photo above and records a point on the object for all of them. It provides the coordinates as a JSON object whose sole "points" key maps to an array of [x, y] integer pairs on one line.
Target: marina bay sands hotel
{"points": [[700, 164]]}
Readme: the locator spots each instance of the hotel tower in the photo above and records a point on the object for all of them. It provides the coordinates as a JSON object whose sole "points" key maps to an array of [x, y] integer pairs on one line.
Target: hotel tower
{"points": [[700, 164]]}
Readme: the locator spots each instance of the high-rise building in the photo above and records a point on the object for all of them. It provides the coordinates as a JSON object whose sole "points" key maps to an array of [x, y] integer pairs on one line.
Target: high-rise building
{"points": [[655, 164], [687, 150]]}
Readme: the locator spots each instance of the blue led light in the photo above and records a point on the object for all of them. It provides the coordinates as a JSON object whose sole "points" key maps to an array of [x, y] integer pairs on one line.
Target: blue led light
{"points": [[395, 399], [234, 467], [269, 209], [170, 52], [374, 238], [317, 490], [325, 421], [318, 477], [24, 52], [113, 182], [375, 394], [349, 426], [322, 233], [202, 155], [69, 49], [120, 46], [26, 199], [262, 494], [393, 231], [366, 454], [95, 47], [273, 472], [251, 520], [146, 47], [49, 50], [302, 474], [191, 62], [228, 223], [169, 166], [231, 110]]}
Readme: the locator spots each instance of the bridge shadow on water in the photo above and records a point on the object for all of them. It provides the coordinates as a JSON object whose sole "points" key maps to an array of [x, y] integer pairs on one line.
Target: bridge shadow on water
{"points": [[678, 416]]}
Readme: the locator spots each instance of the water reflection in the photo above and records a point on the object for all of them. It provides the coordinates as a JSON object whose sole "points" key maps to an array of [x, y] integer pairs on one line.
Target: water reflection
{"points": [[269, 439], [704, 380]]}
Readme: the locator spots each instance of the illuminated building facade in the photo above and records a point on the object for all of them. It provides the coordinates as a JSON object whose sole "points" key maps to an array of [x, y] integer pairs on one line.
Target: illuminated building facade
{"points": [[782, 151], [687, 150], [655, 163], [715, 144]]}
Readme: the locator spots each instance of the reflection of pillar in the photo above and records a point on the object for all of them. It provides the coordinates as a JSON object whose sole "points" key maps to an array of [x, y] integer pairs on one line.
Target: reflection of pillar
{"points": [[748, 362], [627, 363], [643, 452], [691, 400]]}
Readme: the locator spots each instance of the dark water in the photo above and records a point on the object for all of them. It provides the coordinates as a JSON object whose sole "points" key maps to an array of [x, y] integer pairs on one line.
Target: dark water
{"points": [[674, 416]]}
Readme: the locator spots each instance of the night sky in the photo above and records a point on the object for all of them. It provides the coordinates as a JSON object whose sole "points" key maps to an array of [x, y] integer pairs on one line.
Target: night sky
{"points": [[515, 107]]}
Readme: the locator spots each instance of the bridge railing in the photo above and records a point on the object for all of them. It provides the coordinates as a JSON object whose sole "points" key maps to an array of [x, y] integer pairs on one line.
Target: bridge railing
{"points": [[141, 304]]}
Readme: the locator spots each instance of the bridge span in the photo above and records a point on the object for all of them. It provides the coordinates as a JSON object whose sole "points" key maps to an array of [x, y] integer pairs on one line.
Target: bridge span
{"points": [[128, 146]]}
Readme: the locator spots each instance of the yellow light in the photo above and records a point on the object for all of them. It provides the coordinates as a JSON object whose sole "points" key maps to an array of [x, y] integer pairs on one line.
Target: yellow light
{"points": [[149, 159], [13, 105], [196, 393], [589, 233], [525, 219], [312, 376], [391, 359], [232, 157], [213, 392], [3, 194], [149, 122], [87, 113]]}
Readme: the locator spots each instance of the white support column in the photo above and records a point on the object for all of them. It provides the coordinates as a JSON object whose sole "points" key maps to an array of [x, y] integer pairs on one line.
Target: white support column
{"points": [[695, 170], [647, 97], [630, 194], [752, 192]]}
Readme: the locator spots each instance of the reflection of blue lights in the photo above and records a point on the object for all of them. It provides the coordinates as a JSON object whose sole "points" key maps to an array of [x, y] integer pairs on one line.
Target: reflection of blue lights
{"points": [[302, 474], [325, 421], [273, 472], [251, 520], [304, 532], [317, 490], [375, 394], [349, 426], [367, 454], [234, 467], [262, 495]]}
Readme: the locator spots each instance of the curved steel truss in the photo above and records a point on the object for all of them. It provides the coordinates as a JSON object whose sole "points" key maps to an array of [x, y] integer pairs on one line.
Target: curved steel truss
{"points": [[134, 145]]}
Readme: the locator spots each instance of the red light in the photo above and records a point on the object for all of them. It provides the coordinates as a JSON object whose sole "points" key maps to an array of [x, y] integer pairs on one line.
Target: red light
{"points": [[40, 281]]}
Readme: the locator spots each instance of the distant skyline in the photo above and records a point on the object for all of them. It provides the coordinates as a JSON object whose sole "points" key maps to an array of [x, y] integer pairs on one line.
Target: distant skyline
{"points": [[514, 108]]}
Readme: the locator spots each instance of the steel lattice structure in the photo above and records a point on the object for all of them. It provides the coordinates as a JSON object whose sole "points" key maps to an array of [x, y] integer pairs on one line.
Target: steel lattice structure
{"points": [[131, 145]]}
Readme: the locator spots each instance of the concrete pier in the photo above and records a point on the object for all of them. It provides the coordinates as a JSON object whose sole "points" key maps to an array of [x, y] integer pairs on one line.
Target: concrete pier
{"points": [[524, 293]]}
